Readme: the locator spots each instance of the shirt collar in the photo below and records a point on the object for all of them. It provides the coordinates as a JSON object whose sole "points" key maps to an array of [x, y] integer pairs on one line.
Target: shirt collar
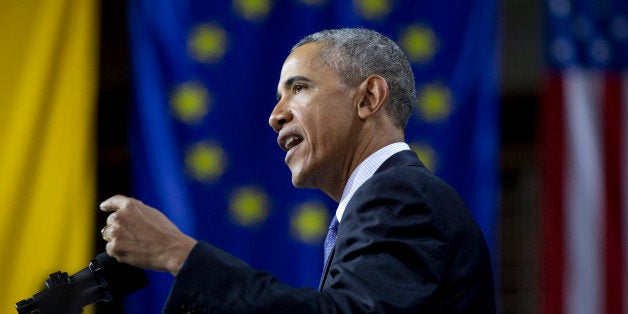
{"points": [[364, 171]]}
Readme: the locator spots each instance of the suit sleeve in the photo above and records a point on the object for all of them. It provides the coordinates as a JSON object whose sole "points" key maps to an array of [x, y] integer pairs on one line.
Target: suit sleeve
{"points": [[213, 281]]}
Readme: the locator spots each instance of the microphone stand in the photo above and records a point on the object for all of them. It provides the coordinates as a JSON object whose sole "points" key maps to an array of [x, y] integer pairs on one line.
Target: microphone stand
{"points": [[55, 299], [65, 294]]}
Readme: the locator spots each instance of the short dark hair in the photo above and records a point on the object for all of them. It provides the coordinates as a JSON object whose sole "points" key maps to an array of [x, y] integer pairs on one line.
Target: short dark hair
{"points": [[357, 53]]}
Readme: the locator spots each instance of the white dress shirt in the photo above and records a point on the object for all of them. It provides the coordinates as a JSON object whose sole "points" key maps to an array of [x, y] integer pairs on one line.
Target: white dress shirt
{"points": [[364, 171]]}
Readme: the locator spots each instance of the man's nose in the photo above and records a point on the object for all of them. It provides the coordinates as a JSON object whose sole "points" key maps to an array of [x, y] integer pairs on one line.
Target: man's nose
{"points": [[280, 116]]}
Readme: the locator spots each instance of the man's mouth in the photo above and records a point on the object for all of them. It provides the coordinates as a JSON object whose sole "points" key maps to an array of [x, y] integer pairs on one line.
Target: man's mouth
{"points": [[288, 140], [291, 142]]}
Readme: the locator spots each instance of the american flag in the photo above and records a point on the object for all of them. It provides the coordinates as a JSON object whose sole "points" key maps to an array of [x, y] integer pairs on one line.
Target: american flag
{"points": [[584, 147]]}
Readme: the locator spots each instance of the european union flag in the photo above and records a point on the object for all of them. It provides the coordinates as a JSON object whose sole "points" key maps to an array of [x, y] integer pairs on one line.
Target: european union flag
{"points": [[206, 74]]}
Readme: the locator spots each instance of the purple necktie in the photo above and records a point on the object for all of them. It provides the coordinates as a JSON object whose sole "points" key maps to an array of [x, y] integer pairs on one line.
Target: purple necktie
{"points": [[330, 240]]}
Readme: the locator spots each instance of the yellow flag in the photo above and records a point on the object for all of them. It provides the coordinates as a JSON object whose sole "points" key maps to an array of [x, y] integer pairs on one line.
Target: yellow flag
{"points": [[48, 73]]}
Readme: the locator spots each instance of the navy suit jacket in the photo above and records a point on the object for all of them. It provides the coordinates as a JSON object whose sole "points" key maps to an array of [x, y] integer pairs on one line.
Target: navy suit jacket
{"points": [[406, 244]]}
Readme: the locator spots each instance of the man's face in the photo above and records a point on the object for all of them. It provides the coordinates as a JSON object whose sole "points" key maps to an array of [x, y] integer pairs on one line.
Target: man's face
{"points": [[313, 117]]}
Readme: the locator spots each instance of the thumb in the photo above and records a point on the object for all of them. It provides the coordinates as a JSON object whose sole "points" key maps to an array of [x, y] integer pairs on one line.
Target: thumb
{"points": [[113, 203]]}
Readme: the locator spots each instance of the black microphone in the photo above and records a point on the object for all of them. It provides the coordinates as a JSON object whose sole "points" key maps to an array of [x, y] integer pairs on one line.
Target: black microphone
{"points": [[105, 279]]}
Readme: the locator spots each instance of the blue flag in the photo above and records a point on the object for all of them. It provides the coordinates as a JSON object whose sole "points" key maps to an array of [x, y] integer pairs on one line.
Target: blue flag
{"points": [[205, 80]]}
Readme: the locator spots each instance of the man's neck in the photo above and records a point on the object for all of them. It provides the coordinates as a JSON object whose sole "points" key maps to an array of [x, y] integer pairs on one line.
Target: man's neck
{"points": [[370, 136], [359, 154]]}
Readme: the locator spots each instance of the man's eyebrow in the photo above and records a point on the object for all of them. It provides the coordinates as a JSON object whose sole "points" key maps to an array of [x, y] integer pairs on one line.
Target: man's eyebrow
{"points": [[290, 81]]}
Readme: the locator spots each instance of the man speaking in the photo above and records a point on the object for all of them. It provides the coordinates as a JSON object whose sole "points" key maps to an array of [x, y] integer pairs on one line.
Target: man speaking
{"points": [[401, 241]]}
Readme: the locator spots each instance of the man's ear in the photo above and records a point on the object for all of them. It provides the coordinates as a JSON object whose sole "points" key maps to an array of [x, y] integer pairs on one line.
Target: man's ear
{"points": [[373, 93]]}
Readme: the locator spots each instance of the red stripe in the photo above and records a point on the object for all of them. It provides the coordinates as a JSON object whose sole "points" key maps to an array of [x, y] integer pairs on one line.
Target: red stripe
{"points": [[613, 251], [552, 173]]}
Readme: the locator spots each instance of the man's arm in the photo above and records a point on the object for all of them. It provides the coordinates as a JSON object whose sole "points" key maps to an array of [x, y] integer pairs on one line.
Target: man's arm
{"points": [[392, 256], [142, 236], [214, 281]]}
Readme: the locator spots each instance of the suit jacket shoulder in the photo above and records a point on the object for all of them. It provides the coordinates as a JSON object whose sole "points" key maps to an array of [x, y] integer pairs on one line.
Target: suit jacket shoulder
{"points": [[411, 236]]}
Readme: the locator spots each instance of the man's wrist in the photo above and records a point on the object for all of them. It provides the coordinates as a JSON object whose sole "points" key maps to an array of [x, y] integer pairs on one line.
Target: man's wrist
{"points": [[180, 254]]}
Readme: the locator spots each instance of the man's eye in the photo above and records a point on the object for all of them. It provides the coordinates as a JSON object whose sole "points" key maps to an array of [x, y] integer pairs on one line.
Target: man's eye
{"points": [[297, 88]]}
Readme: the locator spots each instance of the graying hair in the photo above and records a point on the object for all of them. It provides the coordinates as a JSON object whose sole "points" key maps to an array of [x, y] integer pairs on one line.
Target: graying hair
{"points": [[357, 53]]}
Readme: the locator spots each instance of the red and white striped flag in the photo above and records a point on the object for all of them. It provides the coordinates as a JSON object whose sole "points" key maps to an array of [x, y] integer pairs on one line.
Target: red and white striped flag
{"points": [[584, 168]]}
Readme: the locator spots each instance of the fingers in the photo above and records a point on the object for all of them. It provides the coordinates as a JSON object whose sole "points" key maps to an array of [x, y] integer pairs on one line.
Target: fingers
{"points": [[115, 203], [112, 219], [108, 231], [143, 236], [123, 225], [105, 234], [112, 206]]}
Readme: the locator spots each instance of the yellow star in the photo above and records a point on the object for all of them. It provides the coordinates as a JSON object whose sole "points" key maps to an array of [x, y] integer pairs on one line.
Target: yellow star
{"points": [[435, 102], [253, 10], [205, 161], [190, 102], [419, 43], [309, 222], [207, 43], [249, 206], [372, 9]]}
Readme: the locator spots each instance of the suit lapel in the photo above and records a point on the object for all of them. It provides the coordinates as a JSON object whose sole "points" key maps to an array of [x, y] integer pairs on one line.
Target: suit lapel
{"points": [[406, 157], [326, 269]]}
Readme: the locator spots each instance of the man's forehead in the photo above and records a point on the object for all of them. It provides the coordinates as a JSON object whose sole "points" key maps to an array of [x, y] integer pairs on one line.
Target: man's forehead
{"points": [[308, 53], [302, 60]]}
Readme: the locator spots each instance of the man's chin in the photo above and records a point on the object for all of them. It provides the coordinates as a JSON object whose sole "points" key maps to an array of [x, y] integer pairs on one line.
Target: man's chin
{"points": [[300, 182]]}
